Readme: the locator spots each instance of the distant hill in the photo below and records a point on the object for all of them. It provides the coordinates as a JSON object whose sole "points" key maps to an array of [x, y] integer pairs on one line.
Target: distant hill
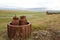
{"points": [[25, 9], [36, 9], [41, 9]]}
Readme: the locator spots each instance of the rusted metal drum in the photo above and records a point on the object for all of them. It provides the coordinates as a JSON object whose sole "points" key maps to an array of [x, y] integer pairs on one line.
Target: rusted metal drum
{"points": [[20, 32]]}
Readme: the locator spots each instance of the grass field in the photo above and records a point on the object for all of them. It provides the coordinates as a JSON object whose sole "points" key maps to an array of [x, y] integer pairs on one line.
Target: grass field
{"points": [[39, 20]]}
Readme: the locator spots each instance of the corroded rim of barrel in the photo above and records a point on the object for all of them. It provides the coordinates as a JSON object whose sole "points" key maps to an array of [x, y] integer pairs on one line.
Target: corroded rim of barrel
{"points": [[19, 25]]}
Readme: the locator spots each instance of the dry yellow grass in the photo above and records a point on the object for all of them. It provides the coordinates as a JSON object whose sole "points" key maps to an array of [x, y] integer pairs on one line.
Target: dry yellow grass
{"points": [[39, 21]]}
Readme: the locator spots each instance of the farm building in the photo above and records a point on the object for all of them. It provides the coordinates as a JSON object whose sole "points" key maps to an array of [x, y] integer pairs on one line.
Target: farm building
{"points": [[52, 12]]}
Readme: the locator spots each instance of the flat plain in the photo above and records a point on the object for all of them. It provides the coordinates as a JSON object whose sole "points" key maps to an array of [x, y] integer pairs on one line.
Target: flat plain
{"points": [[39, 20]]}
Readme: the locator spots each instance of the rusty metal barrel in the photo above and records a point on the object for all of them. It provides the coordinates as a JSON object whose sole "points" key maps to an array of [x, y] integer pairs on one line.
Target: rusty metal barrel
{"points": [[20, 32]]}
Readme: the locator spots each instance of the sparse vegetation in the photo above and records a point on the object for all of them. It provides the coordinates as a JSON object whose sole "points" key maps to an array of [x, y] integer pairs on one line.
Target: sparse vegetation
{"points": [[39, 21]]}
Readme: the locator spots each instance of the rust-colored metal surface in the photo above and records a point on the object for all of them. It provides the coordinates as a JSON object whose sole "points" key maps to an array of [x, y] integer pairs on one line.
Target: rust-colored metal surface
{"points": [[19, 29], [15, 31], [15, 21], [23, 20]]}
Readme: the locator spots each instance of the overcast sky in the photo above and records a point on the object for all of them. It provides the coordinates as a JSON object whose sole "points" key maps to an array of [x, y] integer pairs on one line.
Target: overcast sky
{"points": [[50, 4]]}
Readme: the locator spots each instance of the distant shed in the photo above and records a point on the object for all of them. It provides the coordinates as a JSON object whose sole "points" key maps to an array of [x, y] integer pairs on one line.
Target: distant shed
{"points": [[52, 12]]}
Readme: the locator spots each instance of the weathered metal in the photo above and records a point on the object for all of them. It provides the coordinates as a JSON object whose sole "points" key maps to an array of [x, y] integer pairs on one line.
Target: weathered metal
{"points": [[23, 20], [15, 21], [17, 31]]}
